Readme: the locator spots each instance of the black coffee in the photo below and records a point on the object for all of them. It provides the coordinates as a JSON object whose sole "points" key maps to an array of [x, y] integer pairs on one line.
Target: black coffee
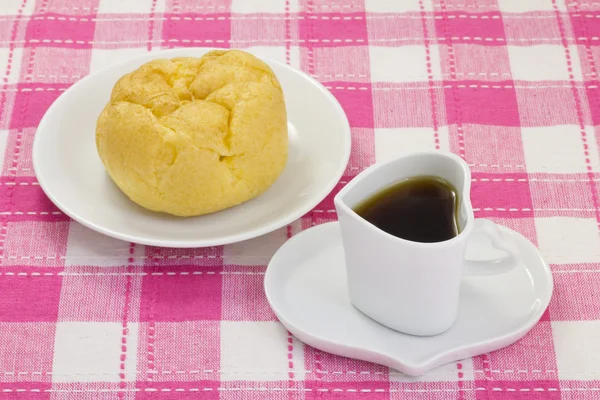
{"points": [[420, 209]]}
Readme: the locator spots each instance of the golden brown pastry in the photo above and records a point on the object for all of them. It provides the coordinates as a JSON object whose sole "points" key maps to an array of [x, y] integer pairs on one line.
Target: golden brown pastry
{"points": [[190, 136]]}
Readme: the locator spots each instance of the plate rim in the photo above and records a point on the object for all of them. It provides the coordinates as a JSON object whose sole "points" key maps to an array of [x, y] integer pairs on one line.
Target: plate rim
{"points": [[194, 243], [393, 361]]}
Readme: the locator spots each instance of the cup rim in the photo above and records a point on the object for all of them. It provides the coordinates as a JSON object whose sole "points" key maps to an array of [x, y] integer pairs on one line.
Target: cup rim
{"points": [[465, 195]]}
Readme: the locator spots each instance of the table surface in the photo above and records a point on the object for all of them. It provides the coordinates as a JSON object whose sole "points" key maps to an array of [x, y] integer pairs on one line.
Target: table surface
{"points": [[510, 86]]}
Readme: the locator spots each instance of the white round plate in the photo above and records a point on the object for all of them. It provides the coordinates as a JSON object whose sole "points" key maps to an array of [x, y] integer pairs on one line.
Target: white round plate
{"points": [[72, 176], [305, 285]]}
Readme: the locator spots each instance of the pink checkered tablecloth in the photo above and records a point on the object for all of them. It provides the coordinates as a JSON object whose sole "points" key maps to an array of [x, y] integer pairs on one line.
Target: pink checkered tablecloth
{"points": [[509, 85]]}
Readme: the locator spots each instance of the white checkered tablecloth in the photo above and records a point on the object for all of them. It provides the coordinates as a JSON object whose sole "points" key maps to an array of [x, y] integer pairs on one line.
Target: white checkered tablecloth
{"points": [[511, 86]]}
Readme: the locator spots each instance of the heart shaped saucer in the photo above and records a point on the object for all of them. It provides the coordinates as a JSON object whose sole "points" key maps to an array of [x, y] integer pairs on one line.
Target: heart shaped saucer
{"points": [[305, 284]]}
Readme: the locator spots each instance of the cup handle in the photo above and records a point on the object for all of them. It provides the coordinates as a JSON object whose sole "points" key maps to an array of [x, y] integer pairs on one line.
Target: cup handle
{"points": [[499, 241]]}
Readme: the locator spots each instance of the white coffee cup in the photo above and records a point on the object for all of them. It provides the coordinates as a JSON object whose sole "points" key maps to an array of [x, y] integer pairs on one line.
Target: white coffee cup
{"points": [[413, 287]]}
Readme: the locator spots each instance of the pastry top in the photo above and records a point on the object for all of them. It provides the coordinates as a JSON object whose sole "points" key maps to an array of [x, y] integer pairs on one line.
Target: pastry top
{"points": [[190, 136]]}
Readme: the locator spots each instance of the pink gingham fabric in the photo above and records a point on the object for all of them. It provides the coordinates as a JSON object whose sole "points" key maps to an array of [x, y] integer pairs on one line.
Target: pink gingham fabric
{"points": [[509, 85]]}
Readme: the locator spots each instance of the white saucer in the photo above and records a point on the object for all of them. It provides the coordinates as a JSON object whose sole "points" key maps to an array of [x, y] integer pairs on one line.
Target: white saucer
{"points": [[72, 176], [305, 285]]}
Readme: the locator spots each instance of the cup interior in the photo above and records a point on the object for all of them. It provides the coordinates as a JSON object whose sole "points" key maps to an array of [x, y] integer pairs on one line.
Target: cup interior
{"points": [[439, 164]]}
